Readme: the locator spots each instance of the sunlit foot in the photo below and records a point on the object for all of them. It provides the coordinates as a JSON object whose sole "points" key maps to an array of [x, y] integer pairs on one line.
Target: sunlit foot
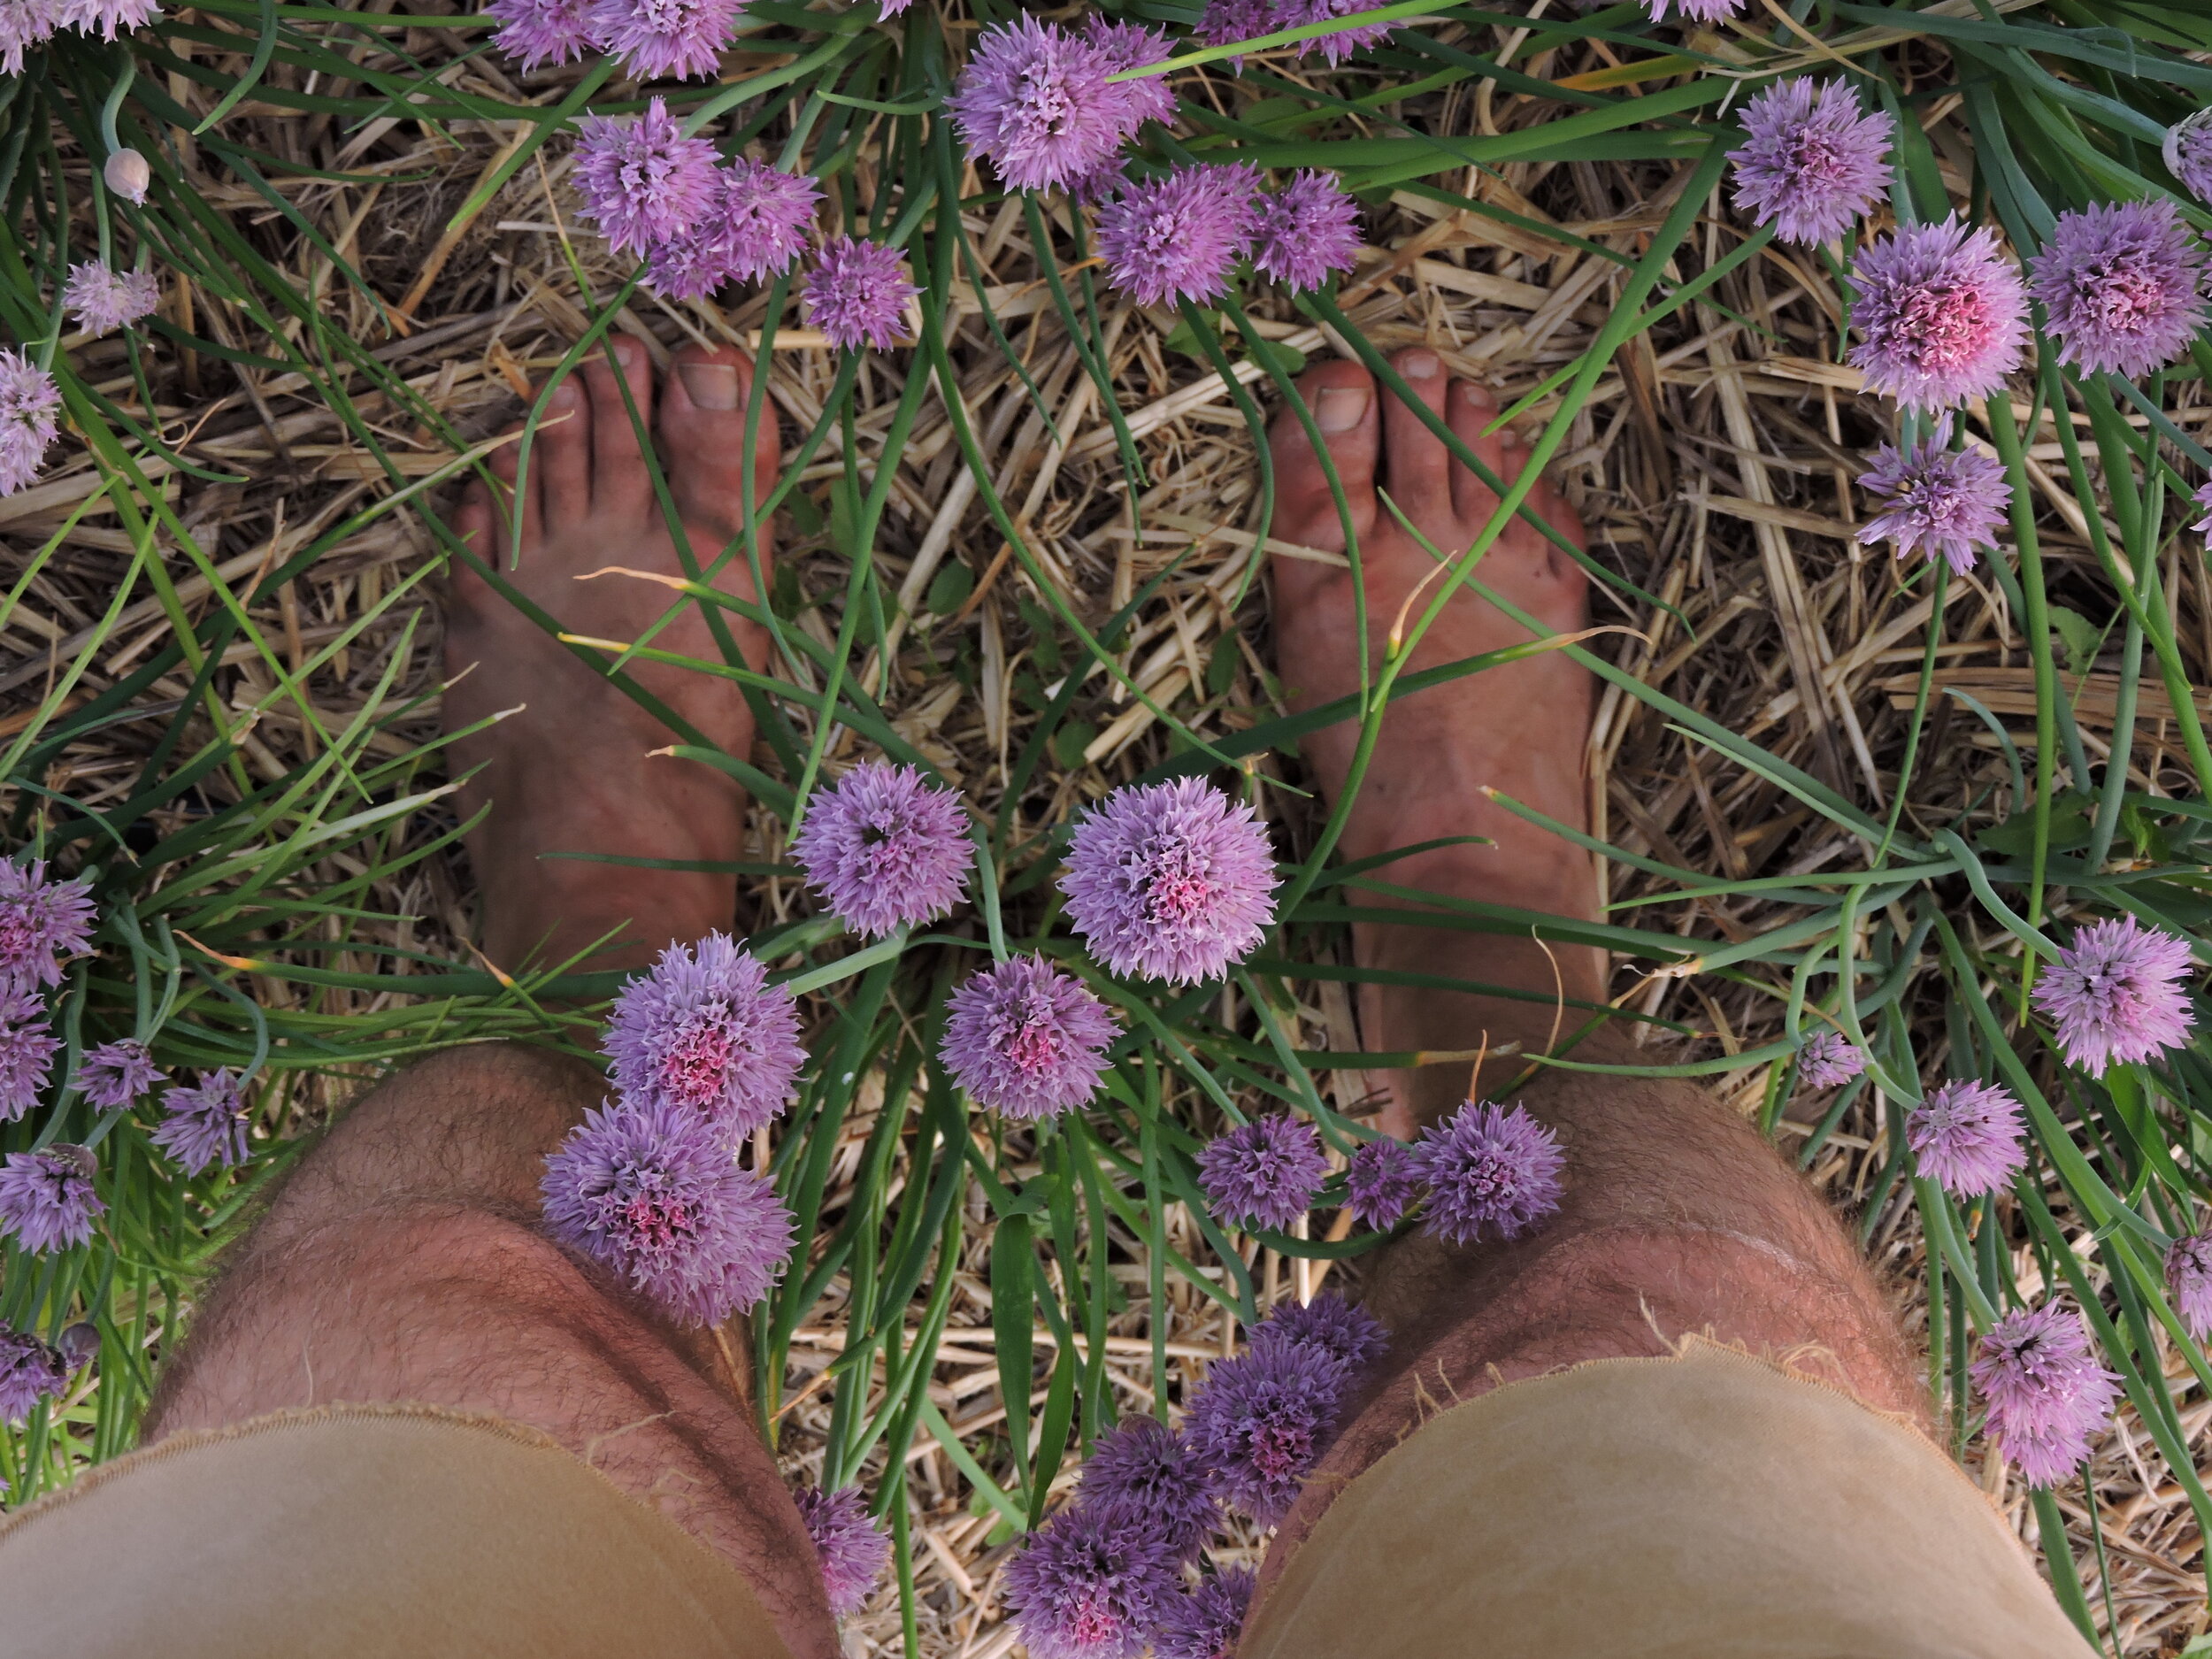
{"points": [[574, 771], [1520, 727]]}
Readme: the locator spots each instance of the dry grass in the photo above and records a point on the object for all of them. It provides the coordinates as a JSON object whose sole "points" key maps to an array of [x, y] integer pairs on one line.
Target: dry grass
{"points": [[1713, 469]]}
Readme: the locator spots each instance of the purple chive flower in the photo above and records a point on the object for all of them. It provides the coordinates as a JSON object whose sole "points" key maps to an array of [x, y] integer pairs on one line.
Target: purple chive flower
{"points": [[1170, 882], [1205, 1622], [1179, 237], [2047, 1395], [538, 32], [1340, 43], [107, 18], [642, 181], [30, 415], [114, 1074], [1828, 1059], [887, 848], [1133, 46], [1143, 1471], [1265, 1173], [690, 268], [46, 1198], [26, 1058], [2117, 992], [850, 1546], [2203, 498], [1026, 1039], [204, 1126], [1089, 1584], [1693, 10], [1306, 230], [755, 227], [41, 921], [857, 295], [2122, 284], [1936, 500], [2189, 1282], [764, 212], [103, 301], [1491, 1170], [23, 25], [1328, 1325], [2188, 152], [27, 1047], [1381, 1184], [661, 40], [1035, 101], [651, 1190], [1812, 159], [1101, 184], [706, 1032], [30, 1372], [1940, 312], [1260, 1424], [1967, 1138], [1226, 20]]}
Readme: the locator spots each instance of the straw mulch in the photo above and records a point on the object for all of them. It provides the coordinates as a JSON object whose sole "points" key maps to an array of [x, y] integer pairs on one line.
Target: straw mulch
{"points": [[1713, 469]]}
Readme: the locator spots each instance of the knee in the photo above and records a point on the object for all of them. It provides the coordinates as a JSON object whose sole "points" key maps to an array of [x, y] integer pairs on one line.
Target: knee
{"points": [[469, 1127], [1630, 1290], [1662, 1150], [386, 1304], [461, 1087]]}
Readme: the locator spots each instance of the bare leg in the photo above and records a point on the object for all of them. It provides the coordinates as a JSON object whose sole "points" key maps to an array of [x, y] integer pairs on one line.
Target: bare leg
{"points": [[402, 1261], [1678, 1217], [575, 770]]}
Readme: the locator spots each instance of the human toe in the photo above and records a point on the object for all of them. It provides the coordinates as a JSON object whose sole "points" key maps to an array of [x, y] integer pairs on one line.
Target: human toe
{"points": [[705, 405], [1416, 463], [1544, 575], [518, 494], [1339, 402], [477, 522], [621, 408], [1470, 412], [560, 453], [1543, 498]]}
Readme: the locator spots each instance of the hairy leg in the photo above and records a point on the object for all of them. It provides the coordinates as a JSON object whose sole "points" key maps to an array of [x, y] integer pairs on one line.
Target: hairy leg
{"points": [[403, 1260], [1677, 1216]]}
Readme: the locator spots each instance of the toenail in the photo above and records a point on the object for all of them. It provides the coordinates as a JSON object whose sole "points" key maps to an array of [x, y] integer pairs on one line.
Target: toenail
{"points": [[1419, 365], [1341, 408], [712, 385], [564, 397], [626, 352]]}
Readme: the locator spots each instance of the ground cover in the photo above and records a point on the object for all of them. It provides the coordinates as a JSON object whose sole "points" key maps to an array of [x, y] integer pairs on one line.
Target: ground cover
{"points": [[1833, 789]]}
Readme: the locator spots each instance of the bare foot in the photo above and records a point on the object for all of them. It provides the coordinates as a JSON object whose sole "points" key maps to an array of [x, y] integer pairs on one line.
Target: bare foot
{"points": [[1677, 1216], [574, 772], [1520, 727]]}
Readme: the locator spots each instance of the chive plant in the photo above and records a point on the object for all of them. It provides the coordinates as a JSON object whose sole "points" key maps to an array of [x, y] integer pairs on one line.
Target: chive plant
{"points": [[207, 898]]}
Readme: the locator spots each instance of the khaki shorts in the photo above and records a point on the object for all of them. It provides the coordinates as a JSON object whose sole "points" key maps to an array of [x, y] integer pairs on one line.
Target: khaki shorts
{"points": [[1706, 1507]]}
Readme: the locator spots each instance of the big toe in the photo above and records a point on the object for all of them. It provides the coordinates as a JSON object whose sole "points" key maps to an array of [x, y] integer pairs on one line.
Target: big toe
{"points": [[1338, 407], [704, 410]]}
